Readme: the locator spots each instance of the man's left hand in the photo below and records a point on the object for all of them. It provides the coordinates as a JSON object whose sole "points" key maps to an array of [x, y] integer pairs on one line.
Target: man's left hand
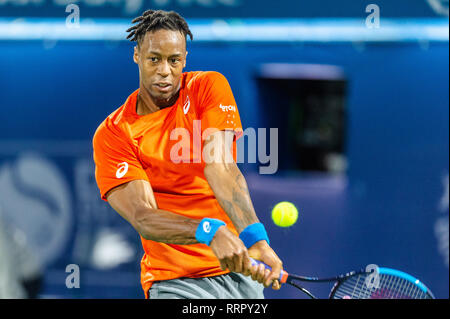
{"points": [[263, 252]]}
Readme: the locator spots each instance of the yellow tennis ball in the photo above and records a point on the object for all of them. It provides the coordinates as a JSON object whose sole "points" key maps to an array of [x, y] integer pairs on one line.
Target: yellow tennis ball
{"points": [[284, 214]]}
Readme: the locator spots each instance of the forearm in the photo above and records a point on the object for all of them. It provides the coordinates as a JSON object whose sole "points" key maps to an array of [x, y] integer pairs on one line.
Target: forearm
{"points": [[166, 227], [231, 191], [135, 202], [160, 225]]}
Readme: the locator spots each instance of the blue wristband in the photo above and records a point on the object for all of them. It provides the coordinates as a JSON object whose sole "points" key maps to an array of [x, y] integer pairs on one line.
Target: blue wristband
{"points": [[207, 229], [253, 233]]}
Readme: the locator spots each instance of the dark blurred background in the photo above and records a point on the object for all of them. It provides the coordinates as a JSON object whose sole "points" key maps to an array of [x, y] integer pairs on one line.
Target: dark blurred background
{"points": [[360, 102]]}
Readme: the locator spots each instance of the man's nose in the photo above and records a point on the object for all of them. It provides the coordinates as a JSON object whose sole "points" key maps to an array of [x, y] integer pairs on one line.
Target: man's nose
{"points": [[164, 69]]}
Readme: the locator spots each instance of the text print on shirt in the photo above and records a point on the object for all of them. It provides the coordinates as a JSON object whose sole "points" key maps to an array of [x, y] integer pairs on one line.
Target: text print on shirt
{"points": [[226, 108]]}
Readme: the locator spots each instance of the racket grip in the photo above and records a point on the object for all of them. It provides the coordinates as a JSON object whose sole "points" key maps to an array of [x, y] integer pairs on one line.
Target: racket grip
{"points": [[283, 274]]}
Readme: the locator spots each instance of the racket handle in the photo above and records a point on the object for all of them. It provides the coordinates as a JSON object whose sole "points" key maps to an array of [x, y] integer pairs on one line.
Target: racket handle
{"points": [[283, 274]]}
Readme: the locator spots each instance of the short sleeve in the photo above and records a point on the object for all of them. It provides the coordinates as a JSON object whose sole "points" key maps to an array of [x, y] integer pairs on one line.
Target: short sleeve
{"points": [[218, 109], [115, 160]]}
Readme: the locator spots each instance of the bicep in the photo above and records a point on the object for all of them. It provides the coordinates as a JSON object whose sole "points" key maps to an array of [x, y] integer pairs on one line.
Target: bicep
{"points": [[132, 198]]}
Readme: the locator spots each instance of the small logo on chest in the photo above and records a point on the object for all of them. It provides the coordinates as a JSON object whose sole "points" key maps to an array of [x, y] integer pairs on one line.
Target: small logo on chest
{"points": [[187, 105]]}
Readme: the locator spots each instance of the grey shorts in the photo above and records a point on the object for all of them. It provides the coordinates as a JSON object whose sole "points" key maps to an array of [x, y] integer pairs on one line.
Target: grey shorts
{"points": [[228, 286]]}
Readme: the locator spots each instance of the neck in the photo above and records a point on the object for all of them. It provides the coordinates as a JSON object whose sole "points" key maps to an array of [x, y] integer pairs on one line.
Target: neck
{"points": [[146, 104]]}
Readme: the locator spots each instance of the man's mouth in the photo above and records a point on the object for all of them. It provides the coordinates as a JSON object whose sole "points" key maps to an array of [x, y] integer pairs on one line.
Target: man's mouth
{"points": [[163, 86]]}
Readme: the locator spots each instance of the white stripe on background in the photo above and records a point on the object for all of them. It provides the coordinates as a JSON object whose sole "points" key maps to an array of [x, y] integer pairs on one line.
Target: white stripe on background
{"points": [[238, 30]]}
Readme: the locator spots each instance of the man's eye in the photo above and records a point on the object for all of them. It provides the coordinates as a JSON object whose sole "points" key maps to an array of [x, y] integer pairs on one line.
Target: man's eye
{"points": [[174, 60], [154, 59]]}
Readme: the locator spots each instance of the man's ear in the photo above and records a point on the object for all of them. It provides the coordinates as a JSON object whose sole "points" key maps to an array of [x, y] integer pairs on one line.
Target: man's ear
{"points": [[185, 59], [136, 55]]}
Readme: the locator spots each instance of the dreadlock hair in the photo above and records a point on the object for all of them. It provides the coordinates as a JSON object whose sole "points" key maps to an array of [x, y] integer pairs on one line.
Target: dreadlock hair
{"points": [[152, 20]]}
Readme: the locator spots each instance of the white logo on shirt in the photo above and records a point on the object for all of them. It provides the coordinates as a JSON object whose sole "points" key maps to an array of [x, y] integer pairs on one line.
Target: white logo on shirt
{"points": [[122, 169], [186, 105], [226, 108], [207, 227]]}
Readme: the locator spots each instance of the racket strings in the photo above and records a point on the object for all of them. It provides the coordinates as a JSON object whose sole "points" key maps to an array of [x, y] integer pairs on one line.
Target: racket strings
{"points": [[388, 287]]}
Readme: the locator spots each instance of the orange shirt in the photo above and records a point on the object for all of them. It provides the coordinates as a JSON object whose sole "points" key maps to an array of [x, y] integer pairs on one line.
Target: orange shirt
{"points": [[165, 148]]}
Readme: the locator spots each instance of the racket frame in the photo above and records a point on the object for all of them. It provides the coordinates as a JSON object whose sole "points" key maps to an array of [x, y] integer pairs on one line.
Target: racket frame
{"points": [[291, 279]]}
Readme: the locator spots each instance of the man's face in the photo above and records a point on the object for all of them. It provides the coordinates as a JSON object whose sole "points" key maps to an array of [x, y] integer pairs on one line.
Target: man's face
{"points": [[161, 57]]}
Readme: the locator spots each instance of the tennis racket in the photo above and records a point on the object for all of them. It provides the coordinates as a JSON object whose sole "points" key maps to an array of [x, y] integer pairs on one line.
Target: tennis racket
{"points": [[373, 283]]}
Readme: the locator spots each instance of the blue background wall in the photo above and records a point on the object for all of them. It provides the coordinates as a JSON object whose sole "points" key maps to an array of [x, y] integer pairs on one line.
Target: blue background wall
{"points": [[384, 210], [389, 208]]}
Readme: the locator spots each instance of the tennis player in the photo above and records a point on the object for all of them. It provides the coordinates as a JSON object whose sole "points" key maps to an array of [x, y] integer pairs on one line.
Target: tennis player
{"points": [[191, 208]]}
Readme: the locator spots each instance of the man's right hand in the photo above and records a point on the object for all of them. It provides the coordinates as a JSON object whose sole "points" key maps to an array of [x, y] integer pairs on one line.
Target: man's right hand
{"points": [[231, 251]]}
